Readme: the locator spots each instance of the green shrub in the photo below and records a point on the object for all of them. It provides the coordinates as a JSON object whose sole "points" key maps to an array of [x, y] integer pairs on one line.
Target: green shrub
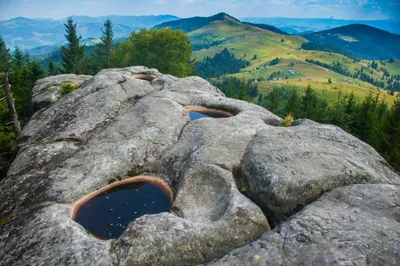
{"points": [[287, 122], [67, 88]]}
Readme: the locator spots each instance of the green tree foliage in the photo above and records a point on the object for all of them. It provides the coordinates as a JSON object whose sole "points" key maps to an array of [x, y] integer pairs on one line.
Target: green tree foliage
{"points": [[52, 69], [309, 103], [233, 86], [392, 130], [5, 56], [73, 58], [23, 73], [242, 90], [370, 119], [222, 63], [328, 48], [102, 52], [18, 57], [167, 50], [275, 61], [293, 105], [336, 66]]}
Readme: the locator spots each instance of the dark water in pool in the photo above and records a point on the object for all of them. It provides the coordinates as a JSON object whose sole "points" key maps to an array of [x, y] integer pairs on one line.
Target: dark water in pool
{"points": [[198, 115], [107, 215]]}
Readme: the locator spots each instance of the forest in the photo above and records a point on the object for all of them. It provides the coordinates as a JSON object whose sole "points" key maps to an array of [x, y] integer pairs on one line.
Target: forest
{"points": [[221, 64]]}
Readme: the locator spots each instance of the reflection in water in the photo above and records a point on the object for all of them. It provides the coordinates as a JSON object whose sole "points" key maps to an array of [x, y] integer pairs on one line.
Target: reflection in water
{"points": [[205, 114], [107, 215]]}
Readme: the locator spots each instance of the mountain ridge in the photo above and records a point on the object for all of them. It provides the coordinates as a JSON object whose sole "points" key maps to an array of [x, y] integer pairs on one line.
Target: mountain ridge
{"points": [[363, 41]]}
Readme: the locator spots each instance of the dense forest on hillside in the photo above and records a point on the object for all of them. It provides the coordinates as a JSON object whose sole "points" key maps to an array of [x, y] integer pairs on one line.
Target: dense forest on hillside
{"points": [[221, 64], [266, 27], [327, 48], [238, 88]]}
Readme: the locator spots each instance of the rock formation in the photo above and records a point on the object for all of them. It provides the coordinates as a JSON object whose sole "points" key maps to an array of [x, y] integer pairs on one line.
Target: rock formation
{"points": [[332, 198]]}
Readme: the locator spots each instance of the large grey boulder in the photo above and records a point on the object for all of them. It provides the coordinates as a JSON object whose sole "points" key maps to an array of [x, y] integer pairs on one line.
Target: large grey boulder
{"points": [[134, 120], [287, 168], [117, 121], [353, 225]]}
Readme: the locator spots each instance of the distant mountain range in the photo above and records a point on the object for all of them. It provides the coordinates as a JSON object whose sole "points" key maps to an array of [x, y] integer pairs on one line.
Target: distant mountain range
{"points": [[307, 25], [362, 41], [31, 33]]}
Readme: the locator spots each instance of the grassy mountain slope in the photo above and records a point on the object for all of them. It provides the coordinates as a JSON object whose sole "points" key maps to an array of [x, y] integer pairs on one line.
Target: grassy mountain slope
{"points": [[194, 23], [362, 41], [246, 41]]}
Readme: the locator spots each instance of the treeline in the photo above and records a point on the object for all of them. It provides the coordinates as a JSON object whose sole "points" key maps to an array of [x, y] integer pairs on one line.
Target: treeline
{"points": [[22, 75], [197, 47], [336, 66], [328, 48], [371, 120], [222, 63], [362, 75], [236, 88], [167, 50]]}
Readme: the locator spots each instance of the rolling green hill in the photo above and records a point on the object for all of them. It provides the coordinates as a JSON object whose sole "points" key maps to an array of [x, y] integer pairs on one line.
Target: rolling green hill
{"points": [[362, 41], [260, 46], [194, 23]]}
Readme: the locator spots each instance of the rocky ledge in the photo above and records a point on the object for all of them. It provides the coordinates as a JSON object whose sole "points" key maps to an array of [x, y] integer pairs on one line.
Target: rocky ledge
{"points": [[330, 198]]}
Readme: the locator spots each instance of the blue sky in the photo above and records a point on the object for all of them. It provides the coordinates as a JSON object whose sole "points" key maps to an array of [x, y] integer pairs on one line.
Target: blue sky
{"points": [[342, 9]]}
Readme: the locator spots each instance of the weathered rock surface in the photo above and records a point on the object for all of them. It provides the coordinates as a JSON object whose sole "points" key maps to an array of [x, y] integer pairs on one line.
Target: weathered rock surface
{"points": [[135, 119], [48, 90], [286, 168], [353, 225]]}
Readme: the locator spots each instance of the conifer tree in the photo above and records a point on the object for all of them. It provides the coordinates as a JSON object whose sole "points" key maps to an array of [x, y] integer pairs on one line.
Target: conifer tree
{"points": [[52, 69], [73, 58], [242, 90], [393, 130], [103, 50], [293, 105], [18, 57], [5, 56], [309, 103]]}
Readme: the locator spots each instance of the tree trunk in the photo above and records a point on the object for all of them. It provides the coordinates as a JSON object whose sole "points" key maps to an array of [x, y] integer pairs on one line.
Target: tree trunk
{"points": [[11, 106]]}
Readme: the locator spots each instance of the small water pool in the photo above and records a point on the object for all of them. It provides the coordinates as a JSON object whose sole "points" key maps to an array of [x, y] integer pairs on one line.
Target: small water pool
{"points": [[107, 215], [196, 113]]}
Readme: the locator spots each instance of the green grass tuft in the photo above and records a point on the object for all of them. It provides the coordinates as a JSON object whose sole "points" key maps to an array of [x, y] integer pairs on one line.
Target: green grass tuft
{"points": [[67, 88]]}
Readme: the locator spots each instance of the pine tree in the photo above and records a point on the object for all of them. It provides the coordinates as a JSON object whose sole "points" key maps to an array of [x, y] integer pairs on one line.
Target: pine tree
{"points": [[52, 69], [293, 105], [103, 50], [18, 57], [5, 56], [73, 60], [260, 99], [242, 90], [309, 103], [272, 103], [392, 130]]}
